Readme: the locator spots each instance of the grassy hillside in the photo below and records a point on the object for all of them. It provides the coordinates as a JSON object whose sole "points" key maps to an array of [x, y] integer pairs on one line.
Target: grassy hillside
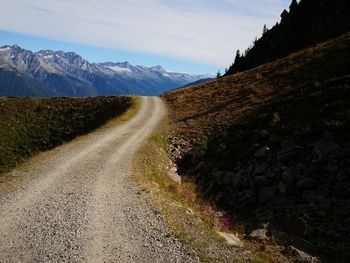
{"points": [[31, 125], [203, 110], [272, 145]]}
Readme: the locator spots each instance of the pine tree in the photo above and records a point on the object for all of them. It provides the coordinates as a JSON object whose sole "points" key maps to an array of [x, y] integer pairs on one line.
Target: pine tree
{"points": [[264, 30], [238, 56], [293, 6]]}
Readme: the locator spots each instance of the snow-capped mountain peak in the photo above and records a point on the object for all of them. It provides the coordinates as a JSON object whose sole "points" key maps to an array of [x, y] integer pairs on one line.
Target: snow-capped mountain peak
{"points": [[119, 69], [5, 48], [158, 69]]}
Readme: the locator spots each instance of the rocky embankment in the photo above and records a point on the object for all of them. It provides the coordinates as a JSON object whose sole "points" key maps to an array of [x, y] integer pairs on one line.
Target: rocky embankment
{"points": [[297, 194], [299, 190]]}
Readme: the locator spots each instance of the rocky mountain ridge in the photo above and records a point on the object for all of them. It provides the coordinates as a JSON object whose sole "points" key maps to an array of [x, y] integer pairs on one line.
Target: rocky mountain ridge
{"points": [[68, 74]]}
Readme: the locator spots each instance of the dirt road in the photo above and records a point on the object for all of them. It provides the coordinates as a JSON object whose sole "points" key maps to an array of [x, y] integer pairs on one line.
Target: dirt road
{"points": [[80, 205]]}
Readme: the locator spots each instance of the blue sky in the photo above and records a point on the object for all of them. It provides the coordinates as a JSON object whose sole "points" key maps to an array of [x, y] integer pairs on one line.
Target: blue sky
{"points": [[198, 36]]}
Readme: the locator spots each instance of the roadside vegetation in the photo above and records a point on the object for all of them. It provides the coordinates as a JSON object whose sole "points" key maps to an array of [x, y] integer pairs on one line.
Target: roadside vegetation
{"points": [[193, 220], [28, 125]]}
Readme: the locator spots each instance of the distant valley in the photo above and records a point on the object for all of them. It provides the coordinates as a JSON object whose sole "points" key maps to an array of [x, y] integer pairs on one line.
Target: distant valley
{"points": [[50, 73]]}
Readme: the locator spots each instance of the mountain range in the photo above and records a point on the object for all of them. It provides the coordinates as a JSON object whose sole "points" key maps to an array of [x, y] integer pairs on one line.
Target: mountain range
{"points": [[48, 73]]}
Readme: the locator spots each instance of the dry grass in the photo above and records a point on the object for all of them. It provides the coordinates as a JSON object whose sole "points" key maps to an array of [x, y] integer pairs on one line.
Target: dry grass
{"points": [[200, 111]]}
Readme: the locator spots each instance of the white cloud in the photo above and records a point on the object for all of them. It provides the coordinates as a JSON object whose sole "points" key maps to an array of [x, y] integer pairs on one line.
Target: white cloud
{"points": [[203, 31]]}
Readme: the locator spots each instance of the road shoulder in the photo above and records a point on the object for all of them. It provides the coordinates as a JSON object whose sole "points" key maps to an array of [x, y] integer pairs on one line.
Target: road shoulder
{"points": [[150, 168]]}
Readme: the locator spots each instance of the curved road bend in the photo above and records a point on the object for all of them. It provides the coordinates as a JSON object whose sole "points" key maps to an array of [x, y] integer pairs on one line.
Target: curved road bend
{"points": [[80, 205]]}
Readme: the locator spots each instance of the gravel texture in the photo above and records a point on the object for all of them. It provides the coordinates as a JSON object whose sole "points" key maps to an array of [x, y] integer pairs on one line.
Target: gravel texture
{"points": [[77, 202]]}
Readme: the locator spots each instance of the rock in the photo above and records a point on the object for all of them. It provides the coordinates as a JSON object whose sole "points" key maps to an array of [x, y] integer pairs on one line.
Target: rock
{"points": [[307, 183], [289, 177], [220, 196], [340, 187], [245, 181], [291, 225], [263, 225], [347, 170], [287, 143], [238, 165], [332, 167], [270, 174], [236, 181], [283, 202], [322, 148], [341, 176], [307, 194], [325, 204], [231, 239], [173, 175], [218, 176], [266, 194], [284, 188], [290, 155], [260, 234], [263, 215], [261, 180], [248, 194], [303, 245], [250, 169], [260, 168], [314, 171], [189, 211], [173, 169], [199, 166], [301, 256], [227, 178], [262, 152], [159, 244], [346, 194], [341, 208]]}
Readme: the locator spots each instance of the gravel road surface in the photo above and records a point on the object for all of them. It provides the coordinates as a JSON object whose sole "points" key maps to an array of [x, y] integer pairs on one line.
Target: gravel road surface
{"points": [[77, 202]]}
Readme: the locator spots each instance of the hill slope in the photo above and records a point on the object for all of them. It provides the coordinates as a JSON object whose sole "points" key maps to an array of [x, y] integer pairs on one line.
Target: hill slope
{"points": [[28, 125], [272, 145]]}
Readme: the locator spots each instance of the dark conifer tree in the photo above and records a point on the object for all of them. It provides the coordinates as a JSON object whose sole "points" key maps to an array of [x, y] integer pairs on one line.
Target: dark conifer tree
{"points": [[238, 56], [308, 23], [293, 6], [264, 30]]}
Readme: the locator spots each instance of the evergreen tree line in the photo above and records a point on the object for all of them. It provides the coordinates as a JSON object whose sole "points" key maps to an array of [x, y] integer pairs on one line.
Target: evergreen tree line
{"points": [[305, 24]]}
